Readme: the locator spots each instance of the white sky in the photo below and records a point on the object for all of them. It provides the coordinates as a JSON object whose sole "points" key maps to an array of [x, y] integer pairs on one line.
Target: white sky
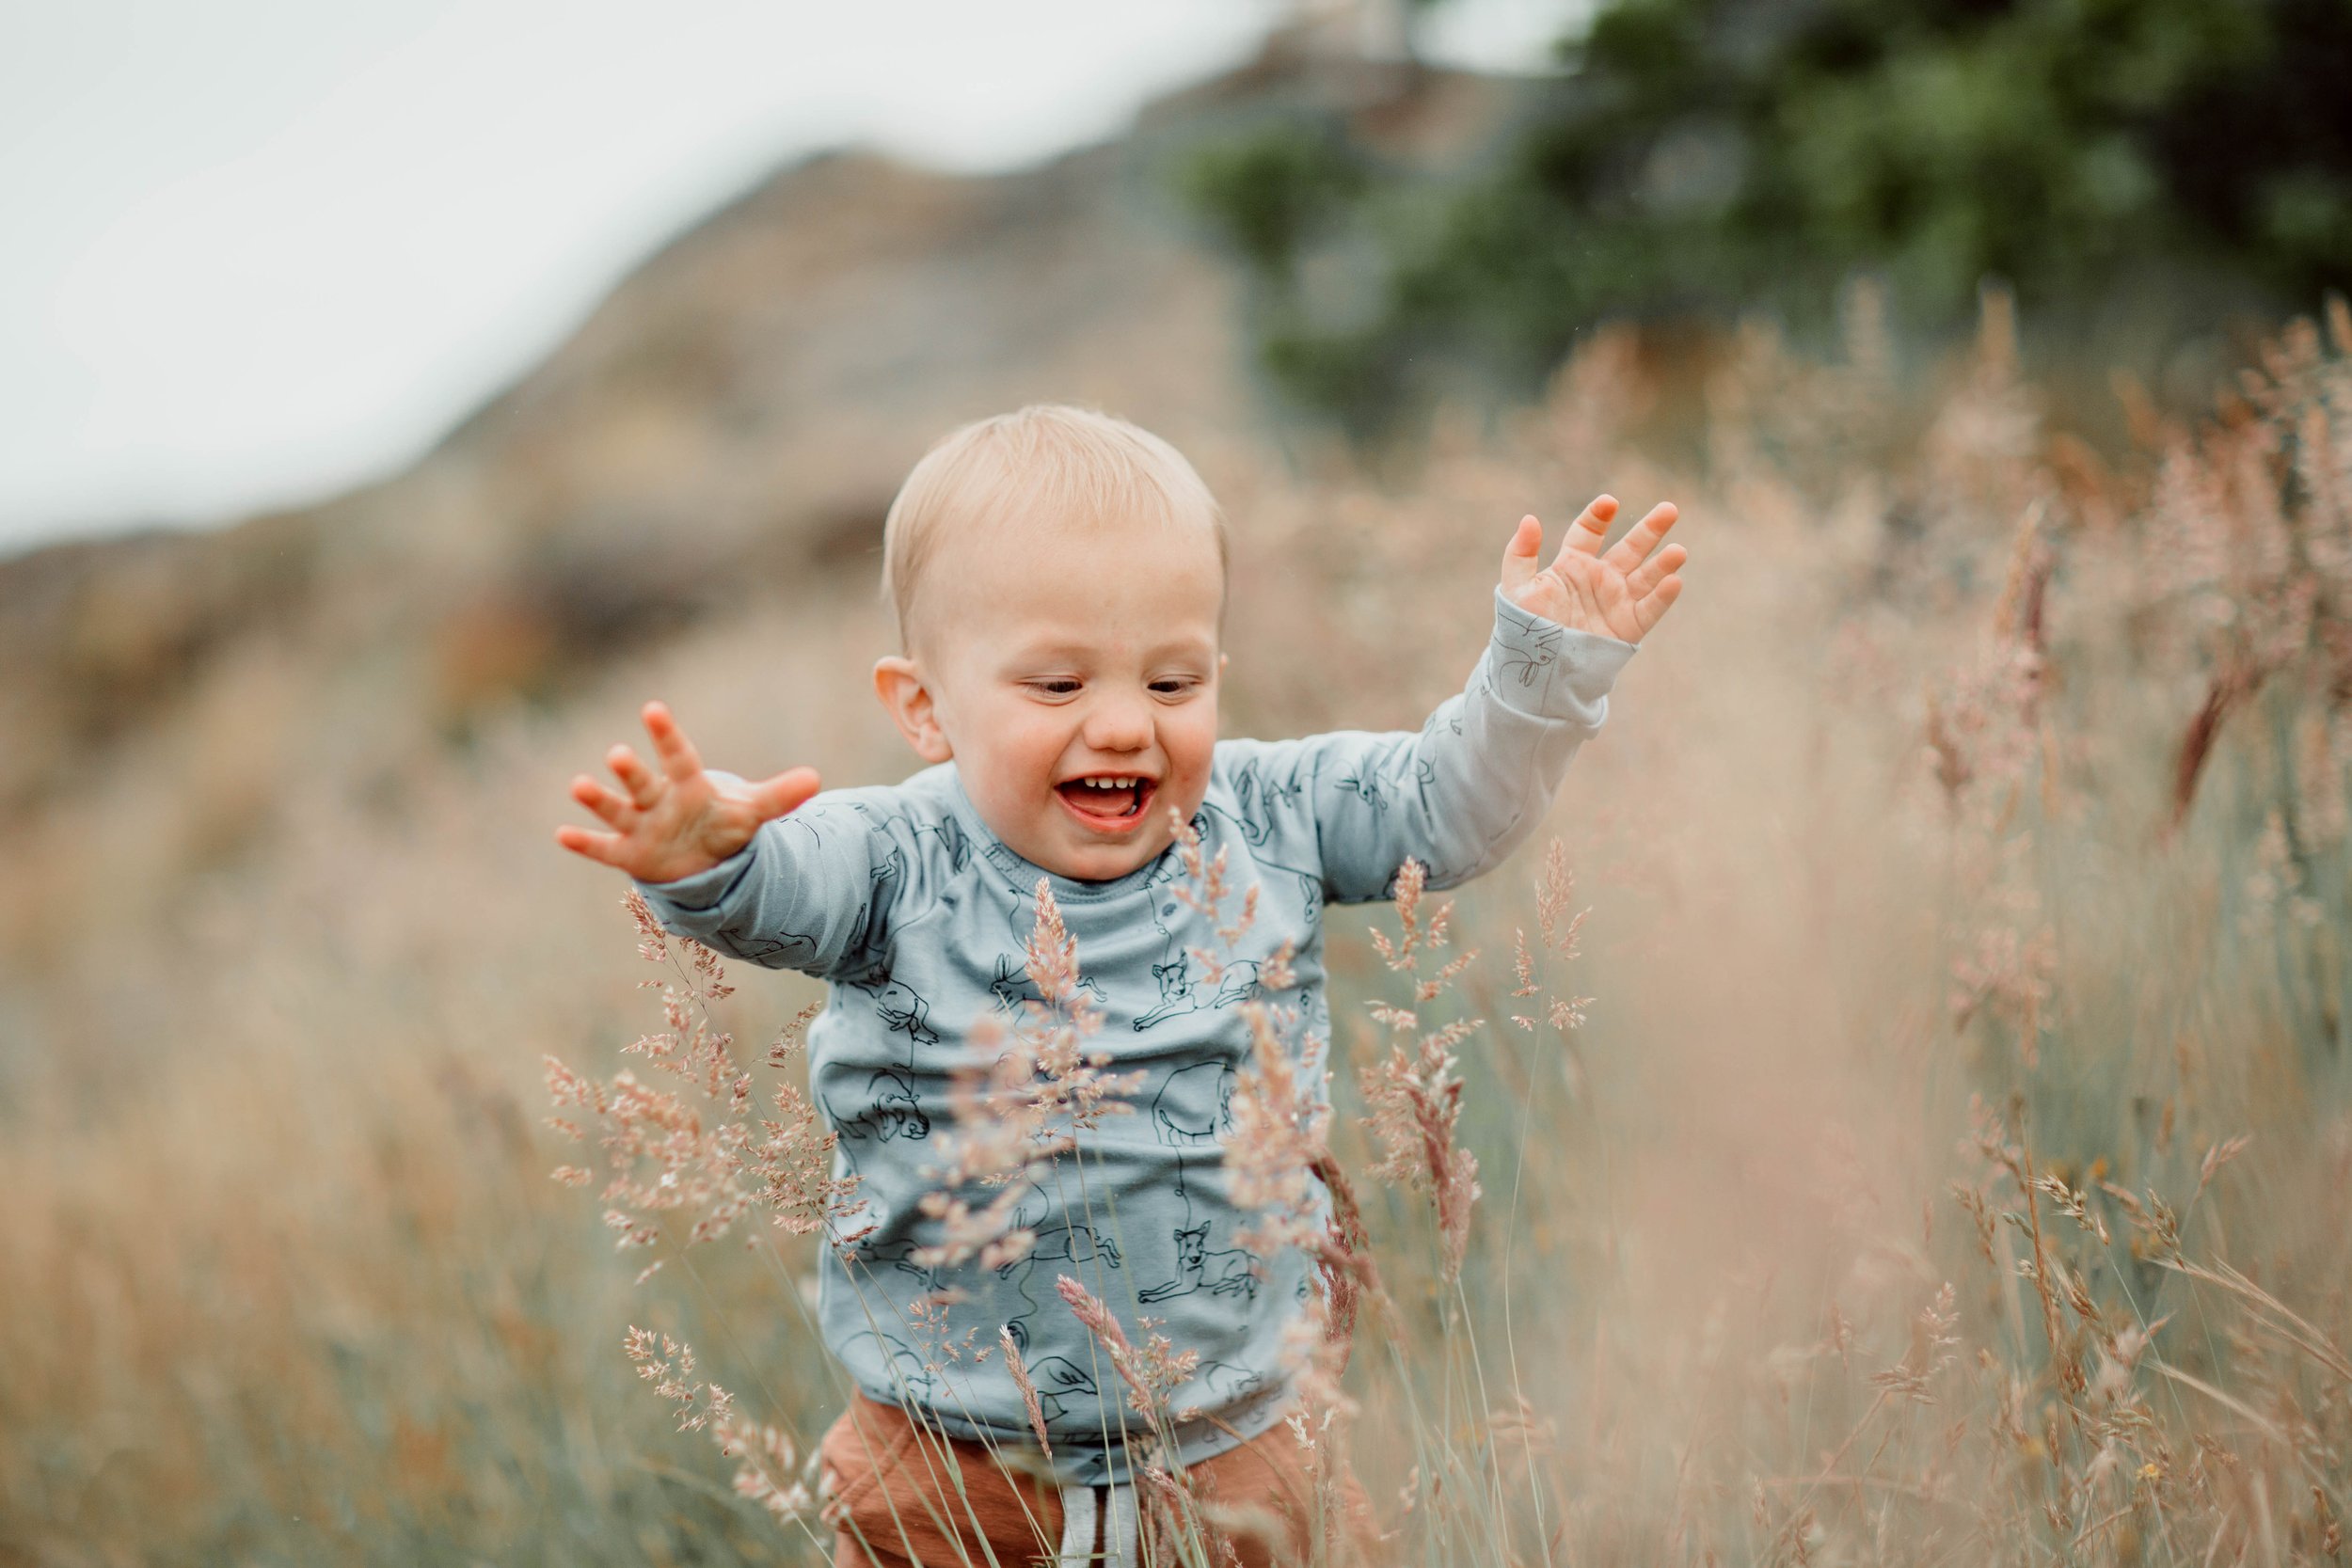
{"points": [[254, 251]]}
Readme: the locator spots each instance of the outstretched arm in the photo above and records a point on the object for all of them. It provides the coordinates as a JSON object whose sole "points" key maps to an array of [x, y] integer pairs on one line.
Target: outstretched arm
{"points": [[681, 819], [753, 869], [1463, 792]]}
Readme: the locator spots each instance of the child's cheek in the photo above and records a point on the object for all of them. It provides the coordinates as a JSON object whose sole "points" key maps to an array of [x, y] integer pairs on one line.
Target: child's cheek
{"points": [[1198, 740]]}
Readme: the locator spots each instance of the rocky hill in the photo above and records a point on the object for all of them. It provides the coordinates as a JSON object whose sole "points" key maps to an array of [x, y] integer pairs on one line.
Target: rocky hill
{"points": [[726, 427]]}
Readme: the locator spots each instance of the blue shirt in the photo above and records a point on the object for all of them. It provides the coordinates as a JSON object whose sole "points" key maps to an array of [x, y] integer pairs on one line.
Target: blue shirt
{"points": [[917, 914]]}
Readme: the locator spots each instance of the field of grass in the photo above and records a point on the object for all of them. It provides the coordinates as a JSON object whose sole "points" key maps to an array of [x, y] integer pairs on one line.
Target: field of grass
{"points": [[1952, 1165]]}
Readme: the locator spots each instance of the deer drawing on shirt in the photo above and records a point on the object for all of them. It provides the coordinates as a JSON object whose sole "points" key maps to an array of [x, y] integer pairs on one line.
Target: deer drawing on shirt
{"points": [[1259, 797], [901, 1258], [1227, 1382], [901, 1007], [1011, 986], [891, 1111], [1226, 1271], [1230, 1272], [1064, 1245], [1185, 986]]}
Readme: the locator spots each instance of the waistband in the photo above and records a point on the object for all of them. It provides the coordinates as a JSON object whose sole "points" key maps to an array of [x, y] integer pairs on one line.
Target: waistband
{"points": [[1112, 1509], [1077, 1461]]}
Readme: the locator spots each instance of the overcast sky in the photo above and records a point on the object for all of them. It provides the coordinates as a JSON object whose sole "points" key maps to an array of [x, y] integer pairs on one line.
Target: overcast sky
{"points": [[254, 251]]}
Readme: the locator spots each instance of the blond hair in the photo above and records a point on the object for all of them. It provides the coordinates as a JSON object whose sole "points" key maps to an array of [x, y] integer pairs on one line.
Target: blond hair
{"points": [[1048, 459]]}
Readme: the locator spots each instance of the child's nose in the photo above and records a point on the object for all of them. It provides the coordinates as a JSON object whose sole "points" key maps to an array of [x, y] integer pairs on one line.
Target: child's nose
{"points": [[1120, 722]]}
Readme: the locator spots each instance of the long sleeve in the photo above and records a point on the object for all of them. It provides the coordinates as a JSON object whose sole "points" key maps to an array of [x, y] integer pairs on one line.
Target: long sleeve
{"points": [[809, 891], [1459, 794]]}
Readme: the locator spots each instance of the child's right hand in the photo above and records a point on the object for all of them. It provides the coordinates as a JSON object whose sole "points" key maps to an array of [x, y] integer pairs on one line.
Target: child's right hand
{"points": [[680, 820]]}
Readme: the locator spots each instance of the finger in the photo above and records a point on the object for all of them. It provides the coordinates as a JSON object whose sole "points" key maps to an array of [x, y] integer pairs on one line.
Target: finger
{"points": [[787, 792], [1647, 576], [678, 756], [1648, 611], [604, 848], [1643, 538], [642, 784], [1591, 527], [1520, 555], [613, 808]]}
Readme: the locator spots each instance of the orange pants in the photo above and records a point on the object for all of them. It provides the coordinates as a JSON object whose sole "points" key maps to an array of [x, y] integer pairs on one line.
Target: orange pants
{"points": [[893, 1496]]}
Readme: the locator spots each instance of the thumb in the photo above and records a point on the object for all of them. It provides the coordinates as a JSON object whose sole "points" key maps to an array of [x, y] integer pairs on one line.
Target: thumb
{"points": [[785, 793], [1520, 555]]}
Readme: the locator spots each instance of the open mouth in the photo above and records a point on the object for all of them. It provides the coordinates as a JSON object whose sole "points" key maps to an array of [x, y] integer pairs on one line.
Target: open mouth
{"points": [[1110, 803]]}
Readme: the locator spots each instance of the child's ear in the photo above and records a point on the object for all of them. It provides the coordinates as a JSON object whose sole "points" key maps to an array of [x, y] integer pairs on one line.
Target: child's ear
{"points": [[899, 682]]}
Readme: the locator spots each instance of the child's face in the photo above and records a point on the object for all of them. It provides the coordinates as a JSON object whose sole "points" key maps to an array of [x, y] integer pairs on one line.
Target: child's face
{"points": [[1053, 665]]}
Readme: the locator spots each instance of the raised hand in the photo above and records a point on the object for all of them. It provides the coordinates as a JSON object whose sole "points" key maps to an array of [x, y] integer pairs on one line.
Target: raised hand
{"points": [[1621, 594], [680, 821]]}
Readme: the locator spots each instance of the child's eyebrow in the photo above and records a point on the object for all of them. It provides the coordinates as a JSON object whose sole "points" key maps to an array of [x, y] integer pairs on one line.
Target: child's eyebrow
{"points": [[1192, 647]]}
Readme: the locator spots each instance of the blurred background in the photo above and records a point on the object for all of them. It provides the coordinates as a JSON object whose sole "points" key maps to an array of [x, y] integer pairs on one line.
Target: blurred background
{"points": [[393, 397]]}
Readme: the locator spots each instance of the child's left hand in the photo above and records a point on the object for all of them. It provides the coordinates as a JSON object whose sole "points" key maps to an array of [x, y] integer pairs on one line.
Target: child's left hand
{"points": [[1621, 594]]}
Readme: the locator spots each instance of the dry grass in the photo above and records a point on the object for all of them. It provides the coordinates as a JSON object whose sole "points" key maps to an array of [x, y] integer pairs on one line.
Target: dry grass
{"points": [[1967, 871]]}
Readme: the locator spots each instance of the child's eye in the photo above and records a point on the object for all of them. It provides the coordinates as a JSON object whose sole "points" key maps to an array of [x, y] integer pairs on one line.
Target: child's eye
{"points": [[1059, 685], [1175, 686]]}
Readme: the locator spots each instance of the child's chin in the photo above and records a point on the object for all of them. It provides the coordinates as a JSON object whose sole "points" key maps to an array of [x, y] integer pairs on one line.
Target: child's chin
{"points": [[1103, 862], [1103, 867]]}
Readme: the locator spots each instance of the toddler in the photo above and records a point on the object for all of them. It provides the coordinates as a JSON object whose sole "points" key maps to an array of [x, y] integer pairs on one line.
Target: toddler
{"points": [[1058, 577]]}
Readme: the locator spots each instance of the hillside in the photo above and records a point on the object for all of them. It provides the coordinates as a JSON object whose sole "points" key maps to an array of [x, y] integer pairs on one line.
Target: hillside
{"points": [[723, 431]]}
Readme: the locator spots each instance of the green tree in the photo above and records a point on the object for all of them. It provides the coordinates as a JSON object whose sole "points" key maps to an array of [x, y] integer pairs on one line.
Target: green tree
{"points": [[1704, 156]]}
